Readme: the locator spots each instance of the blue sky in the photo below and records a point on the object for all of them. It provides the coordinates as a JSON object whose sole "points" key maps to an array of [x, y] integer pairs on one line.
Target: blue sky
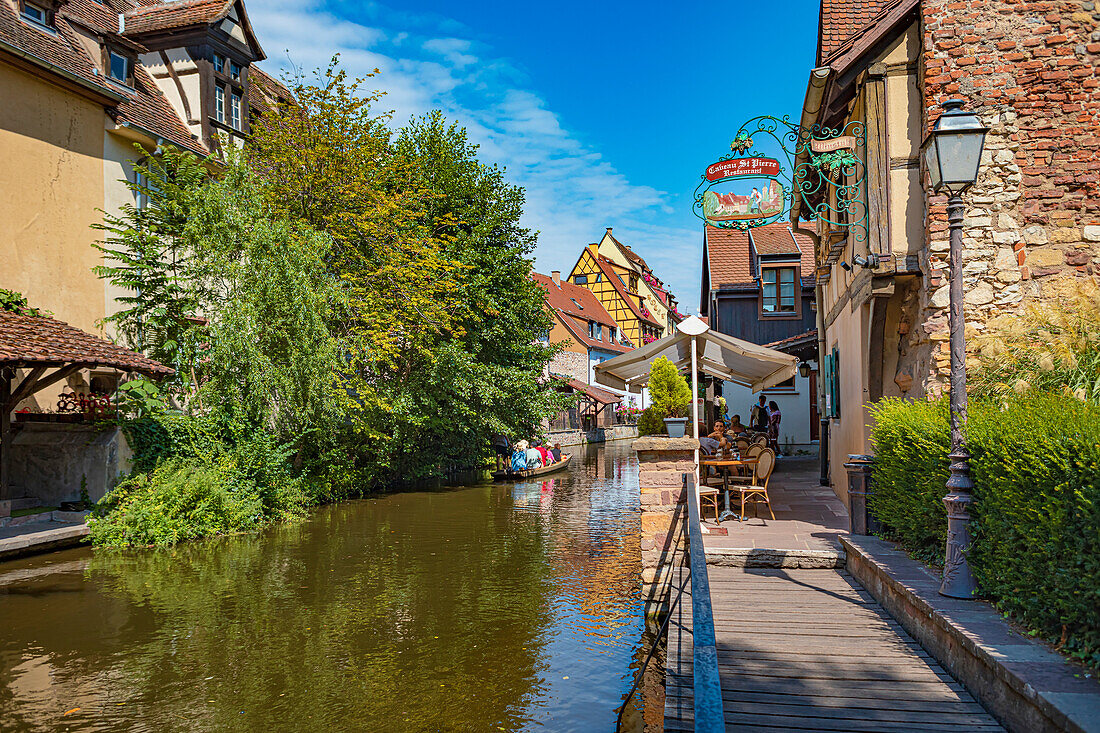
{"points": [[606, 112]]}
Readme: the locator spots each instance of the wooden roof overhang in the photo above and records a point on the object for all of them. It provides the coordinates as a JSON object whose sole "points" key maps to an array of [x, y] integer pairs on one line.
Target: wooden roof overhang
{"points": [[40, 343]]}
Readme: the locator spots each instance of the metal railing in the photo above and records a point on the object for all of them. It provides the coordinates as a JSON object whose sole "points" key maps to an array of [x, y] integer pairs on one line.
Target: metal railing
{"points": [[707, 687]]}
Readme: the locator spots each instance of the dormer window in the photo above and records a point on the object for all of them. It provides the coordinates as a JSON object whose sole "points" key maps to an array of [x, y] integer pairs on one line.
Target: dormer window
{"points": [[36, 13], [120, 67]]}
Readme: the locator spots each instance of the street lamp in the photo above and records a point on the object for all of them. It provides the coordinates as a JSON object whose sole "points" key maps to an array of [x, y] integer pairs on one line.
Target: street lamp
{"points": [[952, 154]]}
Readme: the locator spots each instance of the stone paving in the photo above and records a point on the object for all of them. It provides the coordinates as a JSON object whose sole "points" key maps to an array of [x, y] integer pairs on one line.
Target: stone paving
{"points": [[808, 516]]}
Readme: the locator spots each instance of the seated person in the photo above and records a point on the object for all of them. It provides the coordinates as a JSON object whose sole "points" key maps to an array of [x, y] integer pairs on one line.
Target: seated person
{"points": [[519, 458], [556, 450], [719, 430], [736, 427], [708, 445], [547, 456], [534, 458]]}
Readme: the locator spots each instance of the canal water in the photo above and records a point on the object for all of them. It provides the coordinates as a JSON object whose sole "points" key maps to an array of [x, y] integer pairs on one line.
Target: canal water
{"points": [[483, 608]]}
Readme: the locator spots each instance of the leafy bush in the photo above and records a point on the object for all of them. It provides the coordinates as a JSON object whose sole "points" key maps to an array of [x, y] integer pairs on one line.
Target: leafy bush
{"points": [[652, 421], [668, 388], [1036, 518]]}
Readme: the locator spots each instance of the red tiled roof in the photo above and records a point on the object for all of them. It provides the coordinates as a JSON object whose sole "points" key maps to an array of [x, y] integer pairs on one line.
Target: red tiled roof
{"points": [[575, 306], [42, 341], [731, 252], [265, 91], [811, 334], [599, 395], [179, 14], [144, 105], [846, 23]]}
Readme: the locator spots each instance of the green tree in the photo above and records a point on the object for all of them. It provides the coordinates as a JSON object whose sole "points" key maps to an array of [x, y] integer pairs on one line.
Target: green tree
{"points": [[668, 388], [489, 378]]}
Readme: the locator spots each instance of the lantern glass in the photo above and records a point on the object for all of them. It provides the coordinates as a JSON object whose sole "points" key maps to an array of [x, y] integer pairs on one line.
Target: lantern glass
{"points": [[953, 151]]}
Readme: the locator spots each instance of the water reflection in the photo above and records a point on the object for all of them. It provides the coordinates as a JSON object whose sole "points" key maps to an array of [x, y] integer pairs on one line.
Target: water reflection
{"points": [[493, 607]]}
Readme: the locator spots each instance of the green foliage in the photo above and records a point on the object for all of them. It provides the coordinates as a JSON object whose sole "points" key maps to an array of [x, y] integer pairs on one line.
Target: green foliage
{"points": [[1036, 518], [668, 388], [141, 398], [14, 302], [651, 421], [1053, 347], [148, 255]]}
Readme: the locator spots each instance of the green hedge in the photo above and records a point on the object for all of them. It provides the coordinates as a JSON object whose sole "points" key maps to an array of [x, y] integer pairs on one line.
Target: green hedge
{"points": [[1036, 519]]}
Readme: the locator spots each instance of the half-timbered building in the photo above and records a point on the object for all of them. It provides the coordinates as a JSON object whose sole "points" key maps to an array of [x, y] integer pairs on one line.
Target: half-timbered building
{"points": [[618, 288]]}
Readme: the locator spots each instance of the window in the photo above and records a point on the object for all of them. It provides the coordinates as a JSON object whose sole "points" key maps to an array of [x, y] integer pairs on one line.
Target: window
{"points": [[235, 111], [778, 291], [118, 66], [599, 276], [634, 283], [579, 306], [831, 375], [36, 13], [235, 70], [580, 280], [612, 334], [219, 103], [595, 331], [219, 63]]}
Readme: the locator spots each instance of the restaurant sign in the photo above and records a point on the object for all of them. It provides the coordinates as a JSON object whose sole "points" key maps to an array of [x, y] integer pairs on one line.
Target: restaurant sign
{"points": [[820, 167], [741, 192]]}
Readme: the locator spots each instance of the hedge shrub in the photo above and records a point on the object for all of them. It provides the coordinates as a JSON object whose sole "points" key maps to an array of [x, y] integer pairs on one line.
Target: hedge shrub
{"points": [[1036, 518]]}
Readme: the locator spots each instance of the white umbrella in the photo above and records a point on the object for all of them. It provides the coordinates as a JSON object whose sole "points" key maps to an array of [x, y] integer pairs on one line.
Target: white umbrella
{"points": [[696, 347]]}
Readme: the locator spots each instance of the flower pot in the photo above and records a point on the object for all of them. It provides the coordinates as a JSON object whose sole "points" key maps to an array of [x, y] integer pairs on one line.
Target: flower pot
{"points": [[676, 426]]}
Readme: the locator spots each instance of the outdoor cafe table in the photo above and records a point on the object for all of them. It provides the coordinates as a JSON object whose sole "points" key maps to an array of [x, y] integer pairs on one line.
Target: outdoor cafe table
{"points": [[724, 466]]}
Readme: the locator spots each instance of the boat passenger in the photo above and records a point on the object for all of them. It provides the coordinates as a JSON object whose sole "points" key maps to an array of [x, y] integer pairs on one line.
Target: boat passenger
{"points": [[534, 458], [519, 458], [547, 456], [556, 450]]}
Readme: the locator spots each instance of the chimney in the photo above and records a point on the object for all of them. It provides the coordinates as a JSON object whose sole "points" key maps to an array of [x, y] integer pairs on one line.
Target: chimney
{"points": [[556, 274], [609, 230]]}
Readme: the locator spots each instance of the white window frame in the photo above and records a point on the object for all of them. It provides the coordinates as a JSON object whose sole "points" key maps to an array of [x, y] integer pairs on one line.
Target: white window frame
{"points": [[219, 103], [235, 107]]}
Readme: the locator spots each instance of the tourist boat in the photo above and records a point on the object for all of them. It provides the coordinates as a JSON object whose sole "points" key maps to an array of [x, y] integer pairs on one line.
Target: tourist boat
{"points": [[510, 475]]}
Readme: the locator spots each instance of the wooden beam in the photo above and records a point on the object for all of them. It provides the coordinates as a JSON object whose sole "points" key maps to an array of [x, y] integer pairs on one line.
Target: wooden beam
{"points": [[21, 392], [877, 161], [41, 384], [5, 430]]}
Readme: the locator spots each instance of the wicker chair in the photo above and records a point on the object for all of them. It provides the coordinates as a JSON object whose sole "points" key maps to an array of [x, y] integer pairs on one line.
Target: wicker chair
{"points": [[758, 490]]}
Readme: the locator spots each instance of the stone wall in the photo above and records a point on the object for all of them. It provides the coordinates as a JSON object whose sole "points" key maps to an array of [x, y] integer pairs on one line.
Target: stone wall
{"points": [[49, 461], [570, 364], [1029, 69], [662, 461]]}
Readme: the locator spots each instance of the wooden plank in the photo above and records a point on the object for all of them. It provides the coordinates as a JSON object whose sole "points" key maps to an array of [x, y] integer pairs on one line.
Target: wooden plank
{"points": [[845, 701], [893, 690]]}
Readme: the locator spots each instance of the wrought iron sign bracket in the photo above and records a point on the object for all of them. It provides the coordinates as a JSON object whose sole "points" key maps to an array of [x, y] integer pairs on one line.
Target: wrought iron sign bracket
{"points": [[824, 167]]}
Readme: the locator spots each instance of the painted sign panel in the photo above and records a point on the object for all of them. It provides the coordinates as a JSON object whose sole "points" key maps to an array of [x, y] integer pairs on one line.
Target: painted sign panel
{"points": [[742, 167], [751, 200], [846, 142]]}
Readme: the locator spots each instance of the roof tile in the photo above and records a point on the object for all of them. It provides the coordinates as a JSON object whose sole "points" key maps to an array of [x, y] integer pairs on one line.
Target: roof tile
{"points": [[576, 306], [31, 340], [179, 14], [730, 252], [842, 21]]}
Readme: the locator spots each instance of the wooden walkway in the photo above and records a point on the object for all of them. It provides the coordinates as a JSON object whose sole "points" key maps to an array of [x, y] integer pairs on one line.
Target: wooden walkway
{"points": [[810, 650]]}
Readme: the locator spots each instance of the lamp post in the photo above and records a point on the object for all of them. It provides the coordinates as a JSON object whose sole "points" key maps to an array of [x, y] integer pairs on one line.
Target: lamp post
{"points": [[952, 154]]}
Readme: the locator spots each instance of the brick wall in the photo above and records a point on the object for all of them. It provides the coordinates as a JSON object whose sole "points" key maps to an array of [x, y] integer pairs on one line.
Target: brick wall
{"points": [[662, 461], [1029, 69]]}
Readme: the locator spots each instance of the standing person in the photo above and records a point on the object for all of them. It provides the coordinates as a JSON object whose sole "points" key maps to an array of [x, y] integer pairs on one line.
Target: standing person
{"points": [[758, 418], [773, 425]]}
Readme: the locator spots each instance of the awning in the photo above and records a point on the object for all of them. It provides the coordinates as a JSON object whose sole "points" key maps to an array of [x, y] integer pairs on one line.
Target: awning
{"points": [[599, 395], [724, 357]]}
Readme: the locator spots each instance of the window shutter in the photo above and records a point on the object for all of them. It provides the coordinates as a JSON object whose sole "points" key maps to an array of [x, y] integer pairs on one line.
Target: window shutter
{"points": [[827, 375]]}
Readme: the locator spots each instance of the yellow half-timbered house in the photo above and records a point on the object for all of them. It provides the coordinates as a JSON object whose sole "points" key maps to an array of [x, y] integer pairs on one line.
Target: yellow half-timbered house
{"points": [[616, 287]]}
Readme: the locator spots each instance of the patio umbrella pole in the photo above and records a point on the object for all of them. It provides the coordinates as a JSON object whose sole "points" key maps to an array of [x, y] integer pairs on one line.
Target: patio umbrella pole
{"points": [[695, 406]]}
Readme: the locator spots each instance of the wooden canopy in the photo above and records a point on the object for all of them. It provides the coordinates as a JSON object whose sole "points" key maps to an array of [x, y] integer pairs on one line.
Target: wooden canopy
{"points": [[39, 343]]}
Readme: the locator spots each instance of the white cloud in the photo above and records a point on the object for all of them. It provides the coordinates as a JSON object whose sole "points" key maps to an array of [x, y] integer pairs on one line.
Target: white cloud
{"points": [[431, 62]]}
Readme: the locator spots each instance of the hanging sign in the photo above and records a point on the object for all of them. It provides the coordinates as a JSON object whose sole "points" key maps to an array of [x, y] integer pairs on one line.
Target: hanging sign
{"points": [[741, 192], [742, 167], [846, 142]]}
